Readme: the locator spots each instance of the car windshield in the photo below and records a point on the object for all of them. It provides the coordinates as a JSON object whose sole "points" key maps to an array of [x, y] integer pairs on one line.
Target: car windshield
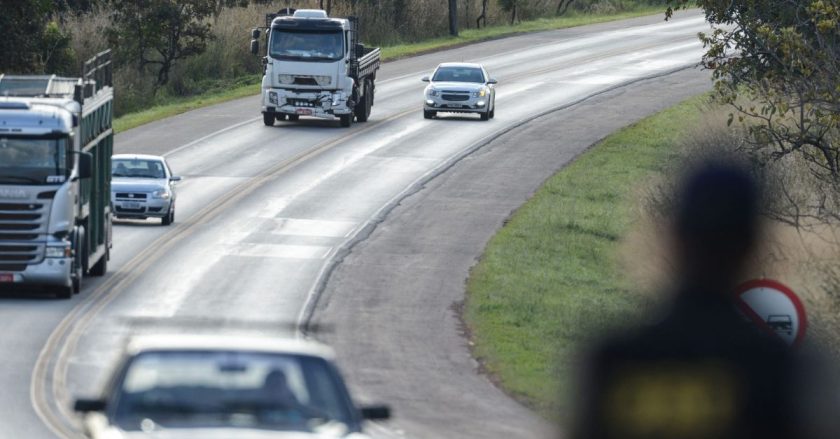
{"points": [[138, 168], [205, 389], [459, 74], [307, 45], [33, 160]]}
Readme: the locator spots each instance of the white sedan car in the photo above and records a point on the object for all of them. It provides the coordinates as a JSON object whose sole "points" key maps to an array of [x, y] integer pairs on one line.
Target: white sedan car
{"points": [[143, 186], [230, 387], [460, 88]]}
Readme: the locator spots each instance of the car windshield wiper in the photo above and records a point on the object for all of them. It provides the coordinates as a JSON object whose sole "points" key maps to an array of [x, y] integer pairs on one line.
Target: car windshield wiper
{"points": [[17, 179]]}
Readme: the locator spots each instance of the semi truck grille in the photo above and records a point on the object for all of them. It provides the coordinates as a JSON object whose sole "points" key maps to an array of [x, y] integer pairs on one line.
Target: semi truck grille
{"points": [[18, 207], [20, 254], [12, 267], [19, 223], [132, 195], [18, 226], [19, 216], [455, 97]]}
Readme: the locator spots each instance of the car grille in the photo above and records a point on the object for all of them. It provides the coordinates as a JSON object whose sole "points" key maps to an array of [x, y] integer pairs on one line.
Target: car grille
{"points": [[20, 226], [126, 210], [131, 195], [453, 97]]}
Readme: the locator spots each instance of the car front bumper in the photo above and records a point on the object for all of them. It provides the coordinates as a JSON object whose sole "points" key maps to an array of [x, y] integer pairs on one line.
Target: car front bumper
{"points": [[471, 105], [150, 208]]}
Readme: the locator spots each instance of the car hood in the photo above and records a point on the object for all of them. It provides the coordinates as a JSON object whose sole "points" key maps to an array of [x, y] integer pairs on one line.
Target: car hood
{"points": [[225, 433], [457, 86], [121, 184]]}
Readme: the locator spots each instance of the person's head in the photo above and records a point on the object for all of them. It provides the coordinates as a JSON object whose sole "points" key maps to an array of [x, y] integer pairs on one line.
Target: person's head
{"points": [[716, 223]]}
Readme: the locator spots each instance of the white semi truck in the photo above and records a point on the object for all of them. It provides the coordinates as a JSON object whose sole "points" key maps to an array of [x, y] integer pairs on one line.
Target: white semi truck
{"points": [[315, 66], [56, 143]]}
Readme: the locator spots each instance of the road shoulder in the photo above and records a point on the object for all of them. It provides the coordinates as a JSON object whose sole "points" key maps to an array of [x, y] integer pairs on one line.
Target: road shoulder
{"points": [[392, 301]]}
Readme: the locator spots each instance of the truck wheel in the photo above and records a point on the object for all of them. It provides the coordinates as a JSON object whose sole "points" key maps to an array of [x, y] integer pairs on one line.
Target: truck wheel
{"points": [[78, 255], [346, 120], [294, 117], [268, 119], [101, 266], [429, 114], [362, 109], [280, 116]]}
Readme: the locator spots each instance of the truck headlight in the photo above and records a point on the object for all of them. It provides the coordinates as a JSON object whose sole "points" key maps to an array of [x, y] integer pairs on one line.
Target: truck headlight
{"points": [[323, 79], [59, 251], [481, 93], [286, 79], [272, 97], [162, 194]]}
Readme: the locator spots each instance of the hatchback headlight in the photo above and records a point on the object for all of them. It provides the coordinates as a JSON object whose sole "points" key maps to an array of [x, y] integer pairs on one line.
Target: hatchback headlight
{"points": [[286, 79], [162, 194]]}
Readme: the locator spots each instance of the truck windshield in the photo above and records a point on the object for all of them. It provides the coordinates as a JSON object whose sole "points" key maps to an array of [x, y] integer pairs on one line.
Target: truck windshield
{"points": [[33, 160], [307, 45]]}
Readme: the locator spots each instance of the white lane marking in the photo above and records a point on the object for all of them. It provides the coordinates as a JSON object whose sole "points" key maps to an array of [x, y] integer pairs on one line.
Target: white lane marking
{"points": [[213, 134], [313, 227], [283, 251]]}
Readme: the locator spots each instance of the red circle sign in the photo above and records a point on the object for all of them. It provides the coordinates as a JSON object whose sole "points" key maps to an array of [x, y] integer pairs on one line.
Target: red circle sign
{"points": [[774, 308]]}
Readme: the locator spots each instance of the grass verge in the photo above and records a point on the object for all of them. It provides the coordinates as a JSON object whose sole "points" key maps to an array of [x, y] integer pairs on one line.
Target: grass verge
{"points": [[246, 86], [551, 277]]}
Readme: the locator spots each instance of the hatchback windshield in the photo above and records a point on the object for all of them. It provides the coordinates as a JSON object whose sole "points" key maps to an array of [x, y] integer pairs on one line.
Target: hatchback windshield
{"points": [[458, 74], [33, 160], [307, 46], [138, 168], [232, 390]]}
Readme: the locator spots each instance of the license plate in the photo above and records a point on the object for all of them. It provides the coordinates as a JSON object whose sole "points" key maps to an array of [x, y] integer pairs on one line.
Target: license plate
{"points": [[7, 277], [131, 205], [304, 111]]}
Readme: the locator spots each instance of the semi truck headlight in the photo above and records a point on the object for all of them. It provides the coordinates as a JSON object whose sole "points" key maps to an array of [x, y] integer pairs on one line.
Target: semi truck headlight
{"points": [[162, 194], [59, 251], [323, 79], [286, 79], [272, 97]]}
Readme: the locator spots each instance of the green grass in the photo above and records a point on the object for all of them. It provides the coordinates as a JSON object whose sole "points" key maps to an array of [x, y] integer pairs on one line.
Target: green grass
{"points": [[246, 86], [550, 278]]}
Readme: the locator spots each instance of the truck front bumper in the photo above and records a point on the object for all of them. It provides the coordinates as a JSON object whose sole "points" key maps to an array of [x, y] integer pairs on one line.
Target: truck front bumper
{"points": [[50, 272], [323, 104]]}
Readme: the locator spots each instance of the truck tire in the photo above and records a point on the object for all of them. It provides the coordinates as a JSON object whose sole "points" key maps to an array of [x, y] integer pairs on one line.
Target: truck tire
{"points": [[64, 292], [362, 109], [268, 119], [280, 116], [78, 260], [294, 118], [429, 114], [101, 266], [346, 120]]}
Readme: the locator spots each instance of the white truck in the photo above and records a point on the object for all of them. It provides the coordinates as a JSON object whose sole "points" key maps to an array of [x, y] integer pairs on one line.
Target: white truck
{"points": [[56, 143], [315, 66]]}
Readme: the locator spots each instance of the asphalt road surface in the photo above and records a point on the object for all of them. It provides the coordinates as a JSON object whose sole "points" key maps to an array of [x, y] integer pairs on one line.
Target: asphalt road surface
{"points": [[265, 213]]}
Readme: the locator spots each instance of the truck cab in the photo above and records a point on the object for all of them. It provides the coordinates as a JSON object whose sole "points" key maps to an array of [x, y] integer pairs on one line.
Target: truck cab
{"points": [[315, 67]]}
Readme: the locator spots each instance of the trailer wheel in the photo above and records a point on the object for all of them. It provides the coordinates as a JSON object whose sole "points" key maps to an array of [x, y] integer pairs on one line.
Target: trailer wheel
{"points": [[346, 120], [268, 119]]}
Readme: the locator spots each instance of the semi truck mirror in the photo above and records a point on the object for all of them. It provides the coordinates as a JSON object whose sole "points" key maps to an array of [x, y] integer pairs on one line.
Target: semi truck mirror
{"points": [[255, 33], [255, 47], [85, 165]]}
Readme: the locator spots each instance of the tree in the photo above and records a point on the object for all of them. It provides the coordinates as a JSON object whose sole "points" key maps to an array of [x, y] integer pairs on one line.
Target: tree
{"points": [[776, 62], [157, 33], [563, 6], [483, 16], [453, 18], [509, 6], [33, 43]]}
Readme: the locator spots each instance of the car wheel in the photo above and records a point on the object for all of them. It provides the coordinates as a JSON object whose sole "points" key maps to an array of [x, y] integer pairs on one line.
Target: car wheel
{"points": [[169, 218], [429, 114], [493, 113], [485, 115], [268, 119]]}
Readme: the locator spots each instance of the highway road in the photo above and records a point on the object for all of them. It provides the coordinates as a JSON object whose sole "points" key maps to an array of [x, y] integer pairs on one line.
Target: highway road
{"points": [[265, 213]]}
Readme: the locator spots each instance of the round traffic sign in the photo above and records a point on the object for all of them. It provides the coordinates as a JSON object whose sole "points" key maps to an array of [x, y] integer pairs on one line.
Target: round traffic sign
{"points": [[774, 308]]}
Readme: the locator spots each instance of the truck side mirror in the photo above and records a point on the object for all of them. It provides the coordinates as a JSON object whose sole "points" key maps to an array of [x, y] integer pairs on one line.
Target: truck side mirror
{"points": [[85, 165], [255, 47], [255, 33]]}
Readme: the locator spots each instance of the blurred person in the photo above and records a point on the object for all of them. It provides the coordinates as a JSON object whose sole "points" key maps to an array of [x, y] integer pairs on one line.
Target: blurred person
{"points": [[701, 371]]}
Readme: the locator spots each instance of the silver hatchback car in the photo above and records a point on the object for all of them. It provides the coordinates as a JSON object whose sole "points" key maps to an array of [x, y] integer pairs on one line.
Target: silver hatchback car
{"points": [[460, 88], [143, 186]]}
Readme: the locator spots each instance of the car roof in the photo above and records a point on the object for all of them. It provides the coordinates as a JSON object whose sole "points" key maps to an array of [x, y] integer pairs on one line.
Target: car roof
{"points": [[136, 157], [460, 64], [259, 343]]}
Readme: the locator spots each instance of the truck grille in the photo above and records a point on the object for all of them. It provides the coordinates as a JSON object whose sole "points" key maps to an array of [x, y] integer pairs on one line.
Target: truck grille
{"points": [[20, 226], [302, 80]]}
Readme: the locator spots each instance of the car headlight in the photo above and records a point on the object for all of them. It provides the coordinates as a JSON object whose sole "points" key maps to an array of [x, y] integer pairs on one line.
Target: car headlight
{"points": [[432, 92], [59, 251], [272, 97], [480, 94], [286, 79], [323, 79], [162, 194]]}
